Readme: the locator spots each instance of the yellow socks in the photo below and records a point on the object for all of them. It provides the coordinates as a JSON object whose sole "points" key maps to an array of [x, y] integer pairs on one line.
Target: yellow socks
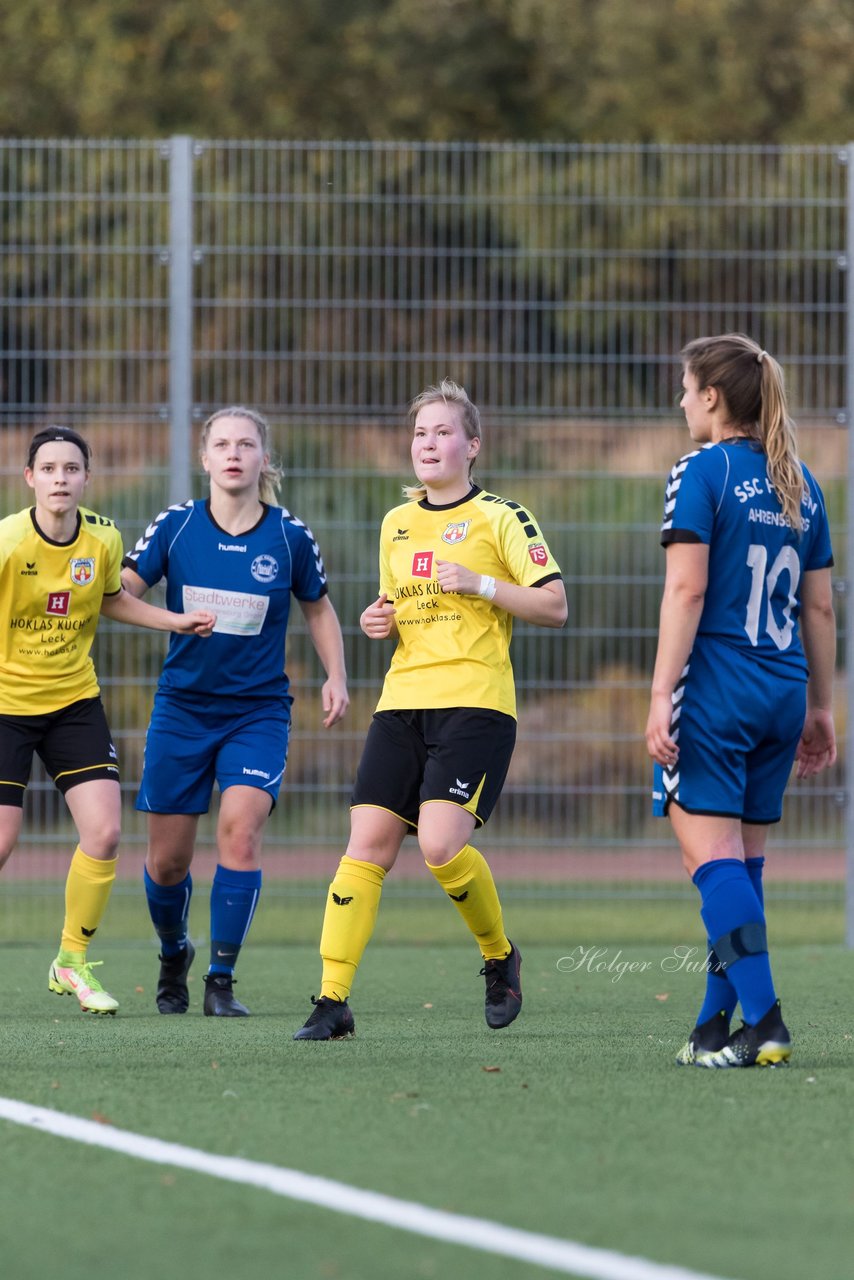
{"points": [[468, 880], [87, 892], [351, 913]]}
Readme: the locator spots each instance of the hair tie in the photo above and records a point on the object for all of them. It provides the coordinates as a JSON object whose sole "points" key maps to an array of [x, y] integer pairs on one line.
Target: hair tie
{"points": [[761, 356]]}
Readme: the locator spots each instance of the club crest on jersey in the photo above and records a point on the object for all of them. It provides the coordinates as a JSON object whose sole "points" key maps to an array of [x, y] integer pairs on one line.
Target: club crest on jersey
{"points": [[57, 603], [538, 553], [264, 568], [83, 571], [456, 532], [422, 564]]}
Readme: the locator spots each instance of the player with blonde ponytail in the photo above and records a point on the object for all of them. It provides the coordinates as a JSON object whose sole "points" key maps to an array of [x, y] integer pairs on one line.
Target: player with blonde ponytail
{"points": [[224, 715], [744, 673]]}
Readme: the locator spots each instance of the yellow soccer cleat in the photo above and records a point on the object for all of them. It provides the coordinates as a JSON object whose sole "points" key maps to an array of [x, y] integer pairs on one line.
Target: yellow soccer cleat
{"points": [[78, 980]]}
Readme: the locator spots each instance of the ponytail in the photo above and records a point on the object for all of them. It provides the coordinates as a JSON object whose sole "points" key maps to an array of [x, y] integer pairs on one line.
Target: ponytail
{"points": [[751, 383]]}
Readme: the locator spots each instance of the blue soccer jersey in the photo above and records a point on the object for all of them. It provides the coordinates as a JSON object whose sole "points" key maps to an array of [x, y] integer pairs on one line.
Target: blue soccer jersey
{"points": [[246, 580], [721, 494]]}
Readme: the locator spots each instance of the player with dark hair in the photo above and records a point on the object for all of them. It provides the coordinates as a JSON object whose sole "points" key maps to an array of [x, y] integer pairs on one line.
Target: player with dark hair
{"points": [[222, 713], [59, 572], [744, 674], [457, 564]]}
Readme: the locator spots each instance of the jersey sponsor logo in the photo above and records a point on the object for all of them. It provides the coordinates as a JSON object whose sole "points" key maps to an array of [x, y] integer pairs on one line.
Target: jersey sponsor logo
{"points": [[456, 532], [83, 571], [422, 564], [264, 568], [31, 571], [231, 546], [238, 613], [538, 553], [58, 602], [402, 535]]}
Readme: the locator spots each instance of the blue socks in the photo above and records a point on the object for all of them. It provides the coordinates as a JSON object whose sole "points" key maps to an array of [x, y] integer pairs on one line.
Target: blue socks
{"points": [[234, 897], [730, 902], [721, 996], [169, 906]]}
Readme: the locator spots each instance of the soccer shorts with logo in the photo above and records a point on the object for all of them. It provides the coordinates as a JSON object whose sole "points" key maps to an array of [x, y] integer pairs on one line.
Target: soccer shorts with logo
{"points": [[458, 754], [74, 743], [738, 725], [192, 743]]}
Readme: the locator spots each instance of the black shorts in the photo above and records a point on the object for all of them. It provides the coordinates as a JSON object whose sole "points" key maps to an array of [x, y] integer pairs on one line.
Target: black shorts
{"points": [[74, 743], [460, 755]]}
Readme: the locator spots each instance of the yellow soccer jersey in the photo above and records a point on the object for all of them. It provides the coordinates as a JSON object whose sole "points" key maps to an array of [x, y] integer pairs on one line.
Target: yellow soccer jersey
{"points": [[50, 603], [454, 650]]}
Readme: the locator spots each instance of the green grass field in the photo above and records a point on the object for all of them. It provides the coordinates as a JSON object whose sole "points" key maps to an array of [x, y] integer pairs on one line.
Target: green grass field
{"points": [[574, 1122]]}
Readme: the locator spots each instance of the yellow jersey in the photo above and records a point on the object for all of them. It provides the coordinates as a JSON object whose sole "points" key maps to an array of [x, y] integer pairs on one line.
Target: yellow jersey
{"points": [[50, 603], [454, 650]]}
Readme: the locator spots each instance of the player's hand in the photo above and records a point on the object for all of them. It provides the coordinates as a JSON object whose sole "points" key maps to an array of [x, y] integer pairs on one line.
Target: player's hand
{"points": [[659, 743], [817, 747], [335, 700], [377, 621], [198, 622], [457, 579]]}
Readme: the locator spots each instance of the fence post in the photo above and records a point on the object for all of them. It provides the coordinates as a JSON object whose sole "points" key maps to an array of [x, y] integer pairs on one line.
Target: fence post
{"points": [[180, 316], [848, 156]]}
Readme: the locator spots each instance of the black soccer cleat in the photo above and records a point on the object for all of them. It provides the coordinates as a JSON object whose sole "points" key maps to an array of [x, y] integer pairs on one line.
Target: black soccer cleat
{"points": [[220, 1001], [707, 1037], [172, 993], [329, 1020], [503, 989], [766, 1044]]}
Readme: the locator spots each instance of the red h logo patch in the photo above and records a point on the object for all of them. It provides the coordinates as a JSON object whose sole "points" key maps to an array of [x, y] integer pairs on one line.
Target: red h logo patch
{"points": [[57, 603], [422, 564]]}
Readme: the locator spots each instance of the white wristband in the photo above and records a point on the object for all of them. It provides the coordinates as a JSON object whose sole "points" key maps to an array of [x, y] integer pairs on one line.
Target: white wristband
{"points": [[487, 587]]}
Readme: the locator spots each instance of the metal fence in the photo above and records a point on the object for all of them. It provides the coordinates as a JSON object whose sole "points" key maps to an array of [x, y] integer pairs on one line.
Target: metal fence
{"points": [[143, 284]]}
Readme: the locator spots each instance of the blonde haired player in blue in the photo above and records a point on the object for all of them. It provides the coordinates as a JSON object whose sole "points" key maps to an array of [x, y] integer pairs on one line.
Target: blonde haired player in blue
{"points": [[457, 564], [743, 679], [59, 571]]}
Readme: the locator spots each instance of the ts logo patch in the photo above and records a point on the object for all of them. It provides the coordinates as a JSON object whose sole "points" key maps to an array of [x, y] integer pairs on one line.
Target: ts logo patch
{"points": [[341, 902], [82, 571], [58, 602], [456, 532], [264, 568], [422, 564], [538, 553]]}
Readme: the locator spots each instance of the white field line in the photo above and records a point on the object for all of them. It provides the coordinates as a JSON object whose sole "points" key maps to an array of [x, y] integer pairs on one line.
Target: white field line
{"points": [[573, 1259]]}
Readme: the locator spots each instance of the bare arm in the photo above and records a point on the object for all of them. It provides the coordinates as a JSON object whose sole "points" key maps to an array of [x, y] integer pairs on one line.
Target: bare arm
{"points": [[126, 607], [325, 631], [543, 606], [817, 747], [132, 582], [685, 582]]}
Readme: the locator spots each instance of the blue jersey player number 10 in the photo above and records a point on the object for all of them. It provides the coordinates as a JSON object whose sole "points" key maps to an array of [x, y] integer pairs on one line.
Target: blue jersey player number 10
{"points": [[743, 677]]}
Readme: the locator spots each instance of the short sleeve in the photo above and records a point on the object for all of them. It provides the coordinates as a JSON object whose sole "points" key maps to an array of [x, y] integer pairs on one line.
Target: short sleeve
{"points": [[524, 548], [691, 499], [150, 555], [820, 554], [308, 580]]}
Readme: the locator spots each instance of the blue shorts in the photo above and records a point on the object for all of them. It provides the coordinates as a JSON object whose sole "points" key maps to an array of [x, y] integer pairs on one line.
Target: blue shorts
{"points": [[737, 726], [192, 743]]}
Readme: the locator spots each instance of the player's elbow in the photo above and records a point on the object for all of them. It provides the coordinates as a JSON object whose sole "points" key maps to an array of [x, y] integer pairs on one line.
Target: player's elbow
{"points": [[686, 593]]}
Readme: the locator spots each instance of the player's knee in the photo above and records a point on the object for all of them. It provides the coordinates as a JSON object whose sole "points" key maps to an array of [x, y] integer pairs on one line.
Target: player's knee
{"points": [[101, 840], [436, 851]]}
